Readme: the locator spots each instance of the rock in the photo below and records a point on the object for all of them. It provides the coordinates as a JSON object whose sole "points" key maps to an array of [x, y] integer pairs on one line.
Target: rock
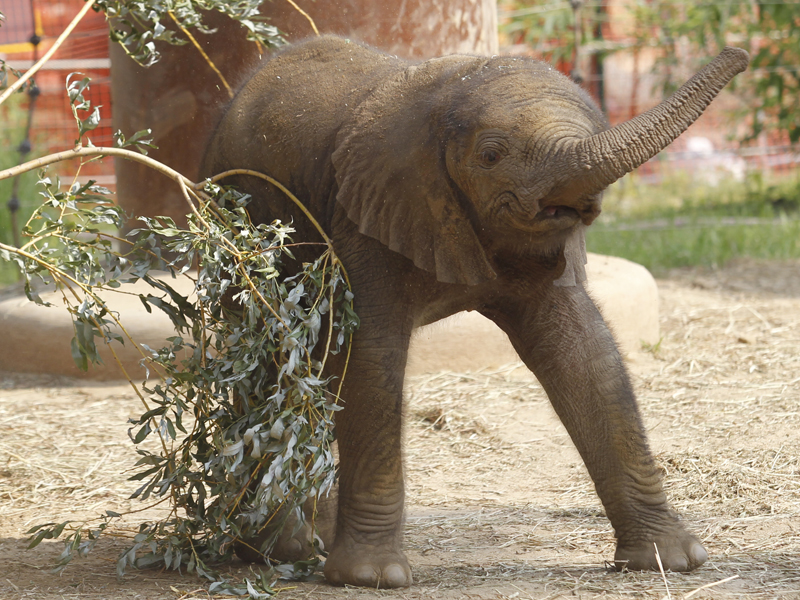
{"points": [[627, 296], [625, 292], [37, 339]]}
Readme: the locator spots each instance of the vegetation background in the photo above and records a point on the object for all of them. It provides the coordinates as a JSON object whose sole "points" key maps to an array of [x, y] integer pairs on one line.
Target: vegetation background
{"points": [[671, 212]]}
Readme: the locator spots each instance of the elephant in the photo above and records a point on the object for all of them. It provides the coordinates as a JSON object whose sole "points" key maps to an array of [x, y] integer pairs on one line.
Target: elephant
{"points": [[459, 183]]}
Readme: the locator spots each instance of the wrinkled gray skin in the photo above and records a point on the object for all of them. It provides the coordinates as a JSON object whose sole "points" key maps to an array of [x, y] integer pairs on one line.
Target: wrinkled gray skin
{"points": [[460, 183]]}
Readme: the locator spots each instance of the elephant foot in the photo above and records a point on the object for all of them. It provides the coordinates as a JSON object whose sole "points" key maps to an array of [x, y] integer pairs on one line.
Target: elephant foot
{"points": [[679, 551], [367, 565], [289, 548]]}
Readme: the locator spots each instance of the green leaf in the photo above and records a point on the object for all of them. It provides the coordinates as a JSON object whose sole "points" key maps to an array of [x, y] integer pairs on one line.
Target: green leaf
{"points": [[91, 122], [142, 433], [75, 89], [79, 355]]}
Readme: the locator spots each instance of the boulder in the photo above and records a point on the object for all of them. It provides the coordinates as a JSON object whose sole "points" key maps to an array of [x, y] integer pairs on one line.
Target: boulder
{"points": [[37, 339], [625, 292]]}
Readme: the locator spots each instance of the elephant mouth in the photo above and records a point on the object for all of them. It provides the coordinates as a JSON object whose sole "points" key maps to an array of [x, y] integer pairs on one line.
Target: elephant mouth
{"points": [[558, 212], [553, 218], [557, 216]]}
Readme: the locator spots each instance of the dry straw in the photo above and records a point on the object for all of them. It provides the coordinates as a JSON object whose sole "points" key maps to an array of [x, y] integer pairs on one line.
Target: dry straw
{"points": [[499, 503]]}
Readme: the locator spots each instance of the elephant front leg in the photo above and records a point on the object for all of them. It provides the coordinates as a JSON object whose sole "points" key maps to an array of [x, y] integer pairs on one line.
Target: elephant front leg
{"points": [[562, 338], [367, 550]]}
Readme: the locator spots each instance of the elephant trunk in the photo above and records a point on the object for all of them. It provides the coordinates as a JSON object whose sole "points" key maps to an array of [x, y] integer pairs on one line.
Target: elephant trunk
{"points": [[600, 160]]}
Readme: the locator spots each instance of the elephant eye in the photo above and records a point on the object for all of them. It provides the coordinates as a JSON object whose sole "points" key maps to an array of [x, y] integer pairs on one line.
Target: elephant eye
{"points": [[490, 157]]}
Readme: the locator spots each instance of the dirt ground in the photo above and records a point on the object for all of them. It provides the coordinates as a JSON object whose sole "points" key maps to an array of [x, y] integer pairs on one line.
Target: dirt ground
{"points": [[499, 504]]}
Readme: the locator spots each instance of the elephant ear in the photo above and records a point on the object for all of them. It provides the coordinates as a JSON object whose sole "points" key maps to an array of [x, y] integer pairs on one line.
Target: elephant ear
{"points": [[392, 175]]}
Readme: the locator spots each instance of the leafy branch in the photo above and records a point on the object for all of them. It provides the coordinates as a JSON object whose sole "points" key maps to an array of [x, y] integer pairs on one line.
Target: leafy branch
{"points": [[241, 381], [137, 25], [237, 430]]}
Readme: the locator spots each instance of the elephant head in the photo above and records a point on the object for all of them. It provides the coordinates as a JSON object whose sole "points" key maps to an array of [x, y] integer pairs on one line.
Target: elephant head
{"points": [[454, 159]]}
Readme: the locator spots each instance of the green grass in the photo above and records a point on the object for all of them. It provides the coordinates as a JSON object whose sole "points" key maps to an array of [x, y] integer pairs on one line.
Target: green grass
{"points": [[679, 223]]}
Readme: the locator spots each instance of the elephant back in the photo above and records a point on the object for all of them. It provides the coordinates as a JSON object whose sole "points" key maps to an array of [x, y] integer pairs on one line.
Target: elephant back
{"points": [[285, 119]]}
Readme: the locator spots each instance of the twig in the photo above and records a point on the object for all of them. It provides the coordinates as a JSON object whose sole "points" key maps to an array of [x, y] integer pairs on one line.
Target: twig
{"points": [[278, 185], [172, 174], [305, 14], [661, 568], [202, 53], [90, 152], [187, 594], [708, 585], [346, 364]]}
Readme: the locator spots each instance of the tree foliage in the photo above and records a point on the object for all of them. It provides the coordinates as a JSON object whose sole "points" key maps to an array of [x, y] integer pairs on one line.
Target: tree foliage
{"points": [[544, 27], [238, 401]]}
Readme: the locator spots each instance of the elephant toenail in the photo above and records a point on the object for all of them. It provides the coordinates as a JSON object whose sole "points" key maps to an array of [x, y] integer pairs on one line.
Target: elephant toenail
{"points": [[365, 575], [679, 565], [396, 576], [698, 554], [333, 576]]}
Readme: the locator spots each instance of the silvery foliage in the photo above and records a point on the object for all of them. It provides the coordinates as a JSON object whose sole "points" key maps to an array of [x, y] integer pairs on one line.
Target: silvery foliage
{"points": [[242, 415], [138, 24], [238, 425], [4, 70]]}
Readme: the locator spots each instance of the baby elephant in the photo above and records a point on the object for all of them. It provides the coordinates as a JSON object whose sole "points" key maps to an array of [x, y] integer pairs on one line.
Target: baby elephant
{"points": [[459, 183]]}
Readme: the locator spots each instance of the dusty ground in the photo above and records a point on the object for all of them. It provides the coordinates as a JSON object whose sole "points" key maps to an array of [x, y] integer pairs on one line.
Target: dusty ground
{"points": [[499, 504]]}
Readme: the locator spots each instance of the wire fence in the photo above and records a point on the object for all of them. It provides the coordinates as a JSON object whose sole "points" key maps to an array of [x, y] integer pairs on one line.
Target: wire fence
{"points": [[29, 29]]}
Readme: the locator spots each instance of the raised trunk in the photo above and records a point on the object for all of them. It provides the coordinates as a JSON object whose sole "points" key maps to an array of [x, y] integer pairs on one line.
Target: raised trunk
{"points": [[600, 160]]}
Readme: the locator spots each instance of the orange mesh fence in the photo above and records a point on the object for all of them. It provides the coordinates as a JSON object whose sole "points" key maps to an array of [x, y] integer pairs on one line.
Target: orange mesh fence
{"points": [[85, 51]]}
